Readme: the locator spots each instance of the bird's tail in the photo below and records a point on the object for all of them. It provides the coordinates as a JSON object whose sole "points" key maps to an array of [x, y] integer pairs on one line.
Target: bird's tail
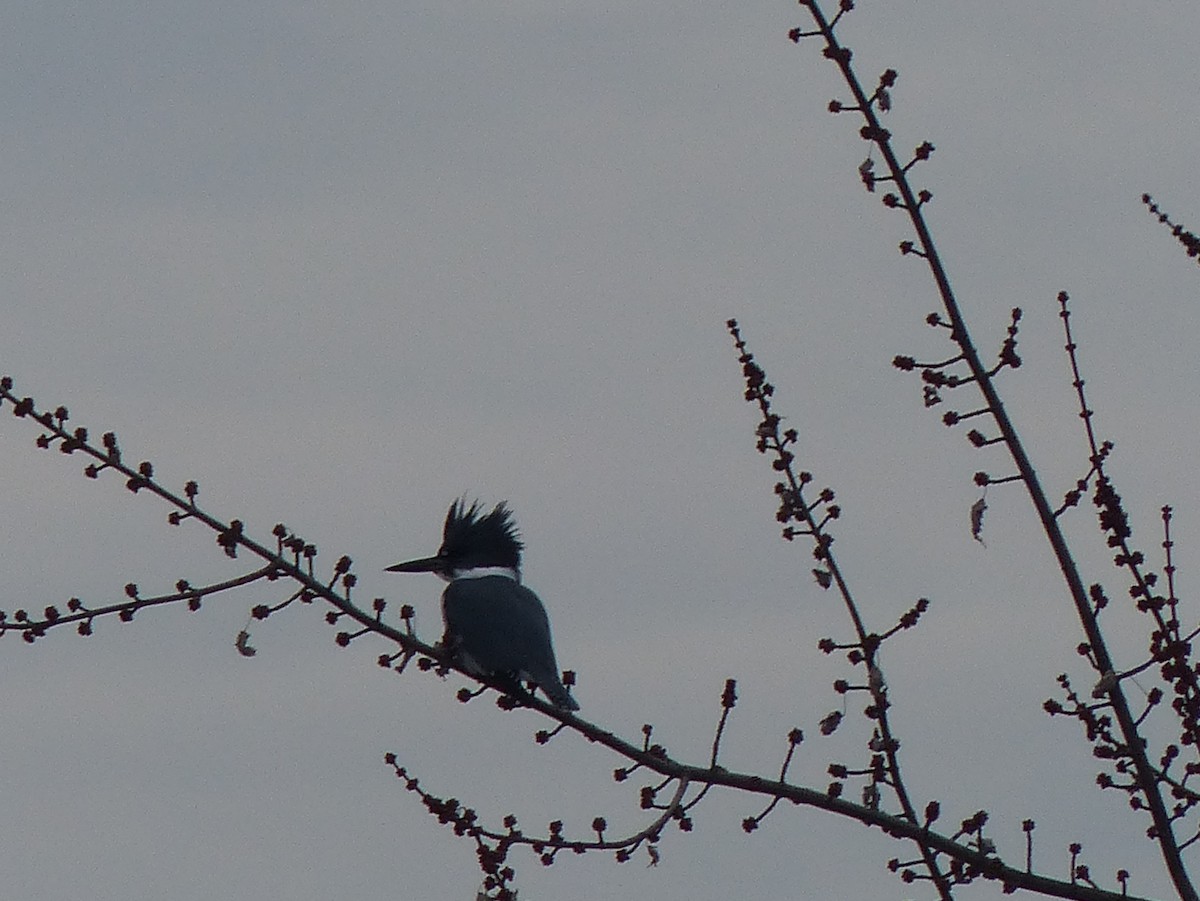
{"points": [[558, 694]]}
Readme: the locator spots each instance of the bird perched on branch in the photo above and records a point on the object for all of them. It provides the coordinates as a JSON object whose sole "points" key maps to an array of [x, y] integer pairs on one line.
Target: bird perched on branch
{"points": [[495, 626]]}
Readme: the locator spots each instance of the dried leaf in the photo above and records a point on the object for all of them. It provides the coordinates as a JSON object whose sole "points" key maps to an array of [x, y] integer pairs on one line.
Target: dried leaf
{"points": [[243, 644], [977, 511]]}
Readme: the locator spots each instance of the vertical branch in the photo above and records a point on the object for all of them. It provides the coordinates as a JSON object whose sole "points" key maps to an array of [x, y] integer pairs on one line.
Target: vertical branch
{"points": [[794, 508], [912, 203]]}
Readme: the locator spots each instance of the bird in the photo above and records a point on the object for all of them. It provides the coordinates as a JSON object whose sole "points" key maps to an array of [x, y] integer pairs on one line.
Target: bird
{"points": [[494, 625]]}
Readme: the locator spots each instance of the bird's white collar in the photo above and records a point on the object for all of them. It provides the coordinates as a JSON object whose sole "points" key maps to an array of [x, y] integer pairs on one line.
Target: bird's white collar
{"points": [[480, 572]]}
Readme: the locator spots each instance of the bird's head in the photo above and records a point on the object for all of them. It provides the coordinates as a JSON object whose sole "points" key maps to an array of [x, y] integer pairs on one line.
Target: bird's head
{"points": [[472, 542]]}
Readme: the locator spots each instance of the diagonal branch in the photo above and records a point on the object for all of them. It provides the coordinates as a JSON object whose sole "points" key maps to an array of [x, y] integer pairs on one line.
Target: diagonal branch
{"points": [[298, 567], [32, 629]]}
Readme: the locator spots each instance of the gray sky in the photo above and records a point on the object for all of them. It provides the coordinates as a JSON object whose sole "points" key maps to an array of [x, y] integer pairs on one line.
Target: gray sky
{"points": [[341, 264]]}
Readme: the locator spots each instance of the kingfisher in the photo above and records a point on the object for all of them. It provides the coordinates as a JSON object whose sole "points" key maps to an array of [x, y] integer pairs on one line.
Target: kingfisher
{"points": [[495, 626]]}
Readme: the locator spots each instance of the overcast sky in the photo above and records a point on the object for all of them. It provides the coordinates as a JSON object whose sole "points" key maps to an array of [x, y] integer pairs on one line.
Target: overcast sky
{"points": [[342, 263]]}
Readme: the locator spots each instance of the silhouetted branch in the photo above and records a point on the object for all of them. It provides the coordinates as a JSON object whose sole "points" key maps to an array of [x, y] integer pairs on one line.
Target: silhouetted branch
{"points": [[294, 559], [77, 612], [492, 846], [940, 378], [1190, 242], [1169, 649]]}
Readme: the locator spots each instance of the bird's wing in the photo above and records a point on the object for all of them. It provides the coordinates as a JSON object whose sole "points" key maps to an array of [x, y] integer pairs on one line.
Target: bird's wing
{"points": [[502, 626]]}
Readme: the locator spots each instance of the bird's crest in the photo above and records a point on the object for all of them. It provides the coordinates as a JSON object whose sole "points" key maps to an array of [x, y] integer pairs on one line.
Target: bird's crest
{"points": [[467, 531]]}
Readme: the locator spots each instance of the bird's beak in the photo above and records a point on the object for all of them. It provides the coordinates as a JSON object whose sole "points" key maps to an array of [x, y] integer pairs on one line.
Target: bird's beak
{"points": [[424, 565]]}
